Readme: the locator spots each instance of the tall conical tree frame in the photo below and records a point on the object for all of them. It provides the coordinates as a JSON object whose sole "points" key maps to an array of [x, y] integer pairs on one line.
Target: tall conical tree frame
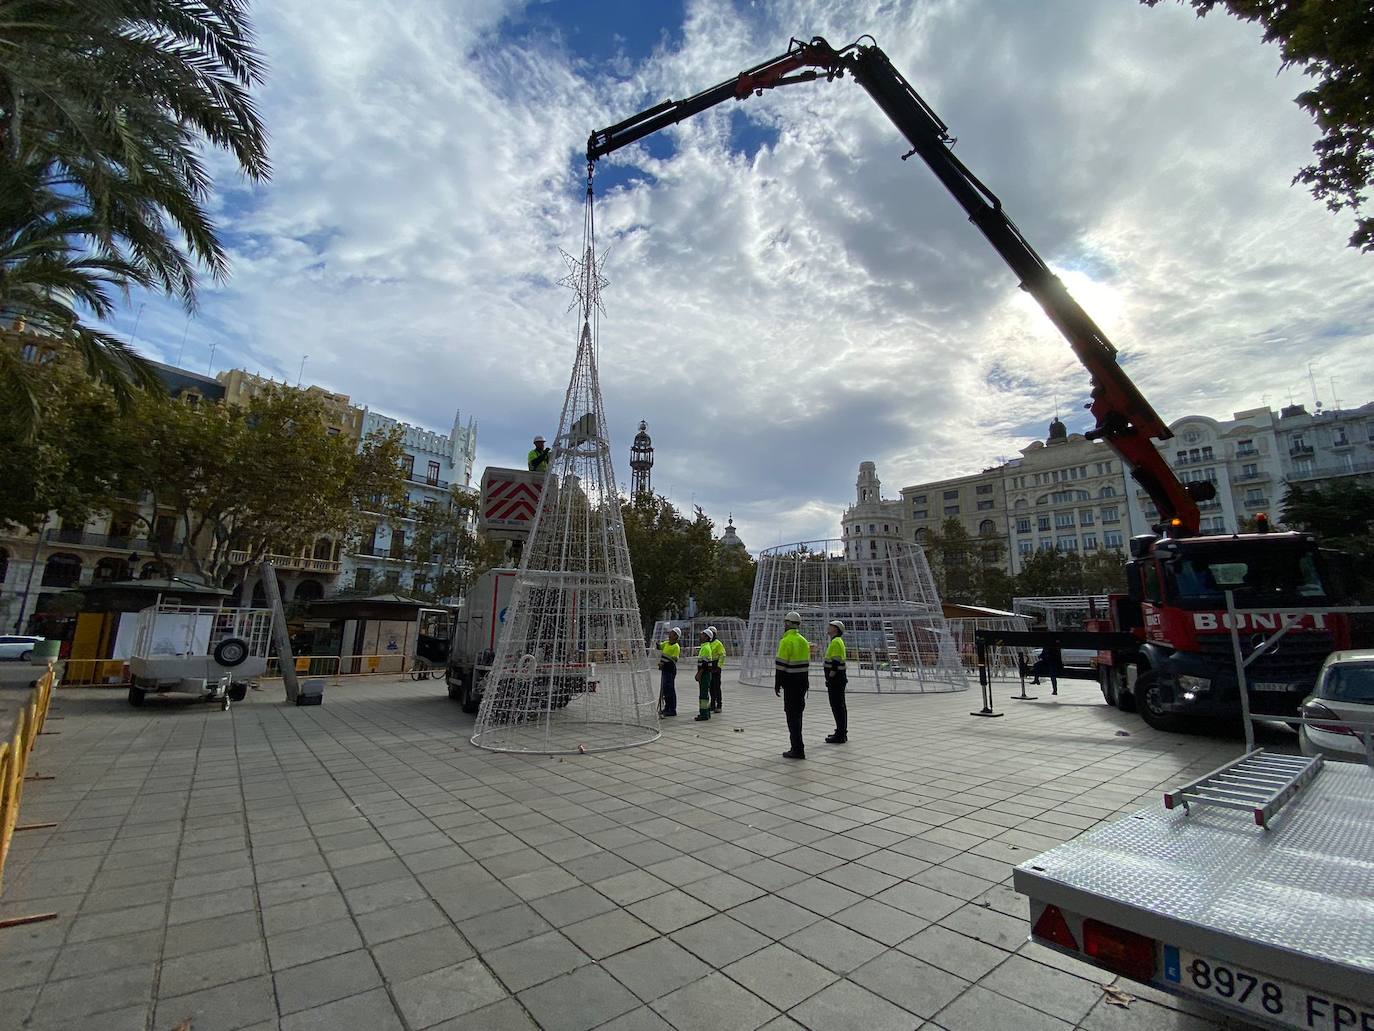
{"points": [[571, 672]]}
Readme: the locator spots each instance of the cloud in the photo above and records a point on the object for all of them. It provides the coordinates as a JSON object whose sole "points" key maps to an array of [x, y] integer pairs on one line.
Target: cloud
{"points": [[778, 315]]}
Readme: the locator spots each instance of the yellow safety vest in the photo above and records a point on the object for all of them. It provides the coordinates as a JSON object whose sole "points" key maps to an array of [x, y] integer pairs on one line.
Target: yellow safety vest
{"points": [[718, 651], [794, 655], [668, 653], [835, 655]]}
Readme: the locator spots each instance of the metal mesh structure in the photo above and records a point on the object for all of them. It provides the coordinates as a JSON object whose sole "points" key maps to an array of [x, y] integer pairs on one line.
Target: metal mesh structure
{"points": [[571, 673], [896, 635], [732, 632]]}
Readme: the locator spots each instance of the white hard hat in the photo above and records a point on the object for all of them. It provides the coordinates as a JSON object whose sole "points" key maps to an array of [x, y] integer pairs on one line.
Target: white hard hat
{"points": [[792, 617], [838, 625], [675, 630], [539, 439], [713, 630]]}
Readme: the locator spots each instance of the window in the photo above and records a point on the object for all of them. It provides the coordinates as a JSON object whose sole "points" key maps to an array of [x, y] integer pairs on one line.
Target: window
{"points": [[1085, 517], [418, 584], [987, 528], [1151, 579], [951, 494], [398, 543], [1090, 542], [1111, 539], [1245, 447], [332, 431], [1107, 492], [1021, 503], [872, 528], [408, 466], [432, 473], [1110, 514], [920, 536], [921, 514], [1023, 524], [430, 502], [1338, 437], [362, 579], [984, 488], [1207, 453], [1063, 520], [1066, 543], [1026, 547], [1303, 467], [1249, 470], [1042, 523], [885, 529], [1253, 496], [952, 509], [918, 499], [983, 506]]}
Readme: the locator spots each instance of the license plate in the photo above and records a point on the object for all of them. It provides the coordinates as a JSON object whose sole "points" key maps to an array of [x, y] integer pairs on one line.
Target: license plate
{"points": [[1268, 998], [1270, 686]]}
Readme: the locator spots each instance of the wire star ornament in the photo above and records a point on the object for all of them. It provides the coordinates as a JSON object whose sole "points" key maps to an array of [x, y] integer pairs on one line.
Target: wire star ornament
{"points": [[585, 280]]}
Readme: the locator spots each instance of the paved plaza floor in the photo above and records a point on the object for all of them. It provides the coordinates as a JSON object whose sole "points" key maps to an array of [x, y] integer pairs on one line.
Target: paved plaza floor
{"points": [[361, 865]]}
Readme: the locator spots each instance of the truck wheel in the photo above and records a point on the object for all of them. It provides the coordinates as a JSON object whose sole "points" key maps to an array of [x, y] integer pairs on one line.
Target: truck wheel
{"points": [[1121, 696], [1105, 685], [471, 700], [136, 696], [1148, 703]]}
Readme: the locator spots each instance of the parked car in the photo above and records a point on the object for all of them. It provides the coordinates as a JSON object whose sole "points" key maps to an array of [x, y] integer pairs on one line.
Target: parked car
{"points": [[1344, 695], [18, 648]]}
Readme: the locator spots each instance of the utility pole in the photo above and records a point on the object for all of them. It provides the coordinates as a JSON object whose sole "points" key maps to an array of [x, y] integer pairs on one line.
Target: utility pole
{"points": [[279, 635]]}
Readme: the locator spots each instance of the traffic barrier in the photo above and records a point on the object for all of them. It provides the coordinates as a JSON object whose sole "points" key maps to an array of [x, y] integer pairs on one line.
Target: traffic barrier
{"points": [[341, 666], [95, 673], [14, 758]]}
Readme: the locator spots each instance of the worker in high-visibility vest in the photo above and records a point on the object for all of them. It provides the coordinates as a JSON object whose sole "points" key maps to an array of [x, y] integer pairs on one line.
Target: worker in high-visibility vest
{"points": [[706, 666], [718, 650], [791, 680], [538, 458], [835, 680], [668, 653]]}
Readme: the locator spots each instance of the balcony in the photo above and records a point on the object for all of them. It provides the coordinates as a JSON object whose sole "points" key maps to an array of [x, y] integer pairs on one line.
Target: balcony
{"points": [[1247, 452], [107, 542], [1247, 477], [372, 551], [1300, 449], [1328, 472], [436, 482], [1258, 502], [1189, 460], [1342, 443], [1209, 506], [300, 563]]}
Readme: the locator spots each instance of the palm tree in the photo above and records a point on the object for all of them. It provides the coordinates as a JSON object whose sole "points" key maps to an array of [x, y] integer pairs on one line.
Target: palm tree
{"points": [[104, 108]]}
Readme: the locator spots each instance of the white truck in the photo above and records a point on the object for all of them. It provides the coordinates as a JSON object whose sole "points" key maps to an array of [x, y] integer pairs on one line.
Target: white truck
{"points": [[508, 501], [1250, 889]]}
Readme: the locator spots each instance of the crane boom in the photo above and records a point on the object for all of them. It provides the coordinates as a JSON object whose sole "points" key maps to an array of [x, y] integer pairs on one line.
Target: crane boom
{"points": [[1125, 420]]}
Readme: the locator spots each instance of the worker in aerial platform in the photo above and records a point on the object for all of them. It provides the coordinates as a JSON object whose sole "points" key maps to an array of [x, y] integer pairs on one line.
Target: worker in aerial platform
{"points": [[791, 679], [668, 654], [835, 681], [718, 650], [706, 674], [538, 458]]}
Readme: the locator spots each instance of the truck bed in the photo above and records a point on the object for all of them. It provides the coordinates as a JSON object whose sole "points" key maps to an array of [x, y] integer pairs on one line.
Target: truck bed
{"points": [[1295, 901]]}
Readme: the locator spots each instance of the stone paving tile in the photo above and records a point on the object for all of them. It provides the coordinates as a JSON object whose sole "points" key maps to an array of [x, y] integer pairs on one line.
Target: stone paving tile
{"points": [[714, 1003], [389, 815], [79, 1000], [579, 1001]]}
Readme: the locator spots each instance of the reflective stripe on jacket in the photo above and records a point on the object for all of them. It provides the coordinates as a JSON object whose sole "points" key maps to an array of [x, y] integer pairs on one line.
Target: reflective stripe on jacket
{"points": [[669, 653], [794, 655], [706, 656], [835, 655]]}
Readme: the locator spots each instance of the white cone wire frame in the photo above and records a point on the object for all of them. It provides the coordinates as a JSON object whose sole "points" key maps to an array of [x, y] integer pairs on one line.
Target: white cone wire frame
{"points": [[732, 631], [1002, 660], [896, 635], [570, 672]]}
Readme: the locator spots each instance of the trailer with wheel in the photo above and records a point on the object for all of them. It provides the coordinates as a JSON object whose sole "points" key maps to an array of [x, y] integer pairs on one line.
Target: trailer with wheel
{"points": [[211, 653], [1249, 890]]}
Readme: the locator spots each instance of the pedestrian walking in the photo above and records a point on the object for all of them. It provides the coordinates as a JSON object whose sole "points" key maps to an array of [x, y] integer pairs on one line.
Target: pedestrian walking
{"points": [[1050, 663], [835, 681], [717, 650], [669, 652], [706, 664], [791, 680]]}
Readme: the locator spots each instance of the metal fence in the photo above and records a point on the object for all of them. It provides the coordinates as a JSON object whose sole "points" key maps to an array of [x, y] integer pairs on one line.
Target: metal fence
{"points": [[14, 759]]}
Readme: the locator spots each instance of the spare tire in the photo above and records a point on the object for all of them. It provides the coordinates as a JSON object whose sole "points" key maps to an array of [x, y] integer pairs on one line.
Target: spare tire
{"points": [[231, 652]]}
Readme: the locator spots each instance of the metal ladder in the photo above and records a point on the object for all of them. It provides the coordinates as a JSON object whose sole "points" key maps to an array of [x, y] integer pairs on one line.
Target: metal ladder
{"points": [[1258, 782], [890, 642]]}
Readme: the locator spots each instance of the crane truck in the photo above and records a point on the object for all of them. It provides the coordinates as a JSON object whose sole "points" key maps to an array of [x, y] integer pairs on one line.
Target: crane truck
{"points": [[1270, 922], [1165, 648]]}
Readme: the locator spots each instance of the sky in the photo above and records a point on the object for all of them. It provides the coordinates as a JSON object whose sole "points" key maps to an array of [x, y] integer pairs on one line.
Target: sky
{"points": [[787, 297]]}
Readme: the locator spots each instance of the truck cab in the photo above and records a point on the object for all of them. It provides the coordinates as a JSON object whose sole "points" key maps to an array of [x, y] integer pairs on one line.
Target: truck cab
{"points": [[1176, 605]]}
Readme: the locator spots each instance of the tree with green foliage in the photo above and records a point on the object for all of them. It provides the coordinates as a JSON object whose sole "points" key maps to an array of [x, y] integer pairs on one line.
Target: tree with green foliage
{"points": [[1048, 573], [107, 111], [1330, 42], [441, 542], [729, 586], [1341, 513], [249, 481], [670, 554], [968, 570]]}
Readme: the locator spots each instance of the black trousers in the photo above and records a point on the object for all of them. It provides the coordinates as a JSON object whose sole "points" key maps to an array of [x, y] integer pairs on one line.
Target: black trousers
{"points": [[667, 688], [794, 704], [715, 689], [834, 687]]}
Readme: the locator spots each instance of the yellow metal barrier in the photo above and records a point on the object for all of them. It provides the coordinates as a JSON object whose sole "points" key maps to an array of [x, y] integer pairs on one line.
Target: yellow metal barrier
{"points": [[338, 666], [14, 759], [94, 673]]}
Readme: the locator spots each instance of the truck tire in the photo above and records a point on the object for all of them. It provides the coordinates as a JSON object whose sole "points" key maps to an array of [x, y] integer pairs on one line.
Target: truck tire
{"points": [[231, 652], [1147, 703], [471, 701], [1114, 692]]}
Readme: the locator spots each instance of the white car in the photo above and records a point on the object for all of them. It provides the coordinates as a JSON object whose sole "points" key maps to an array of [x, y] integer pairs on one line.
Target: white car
{"points": [[1338, 717], [20, 648]]}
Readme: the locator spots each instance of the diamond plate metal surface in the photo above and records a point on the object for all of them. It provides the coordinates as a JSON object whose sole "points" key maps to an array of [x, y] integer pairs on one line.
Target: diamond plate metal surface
{"points": [[1306, 884]]}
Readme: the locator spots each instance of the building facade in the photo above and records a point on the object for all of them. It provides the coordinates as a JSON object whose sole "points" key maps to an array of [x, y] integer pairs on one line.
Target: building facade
{"points": [[978, 502], [1329, 445], [870, 525], [1064, 493], [435, 464]]}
